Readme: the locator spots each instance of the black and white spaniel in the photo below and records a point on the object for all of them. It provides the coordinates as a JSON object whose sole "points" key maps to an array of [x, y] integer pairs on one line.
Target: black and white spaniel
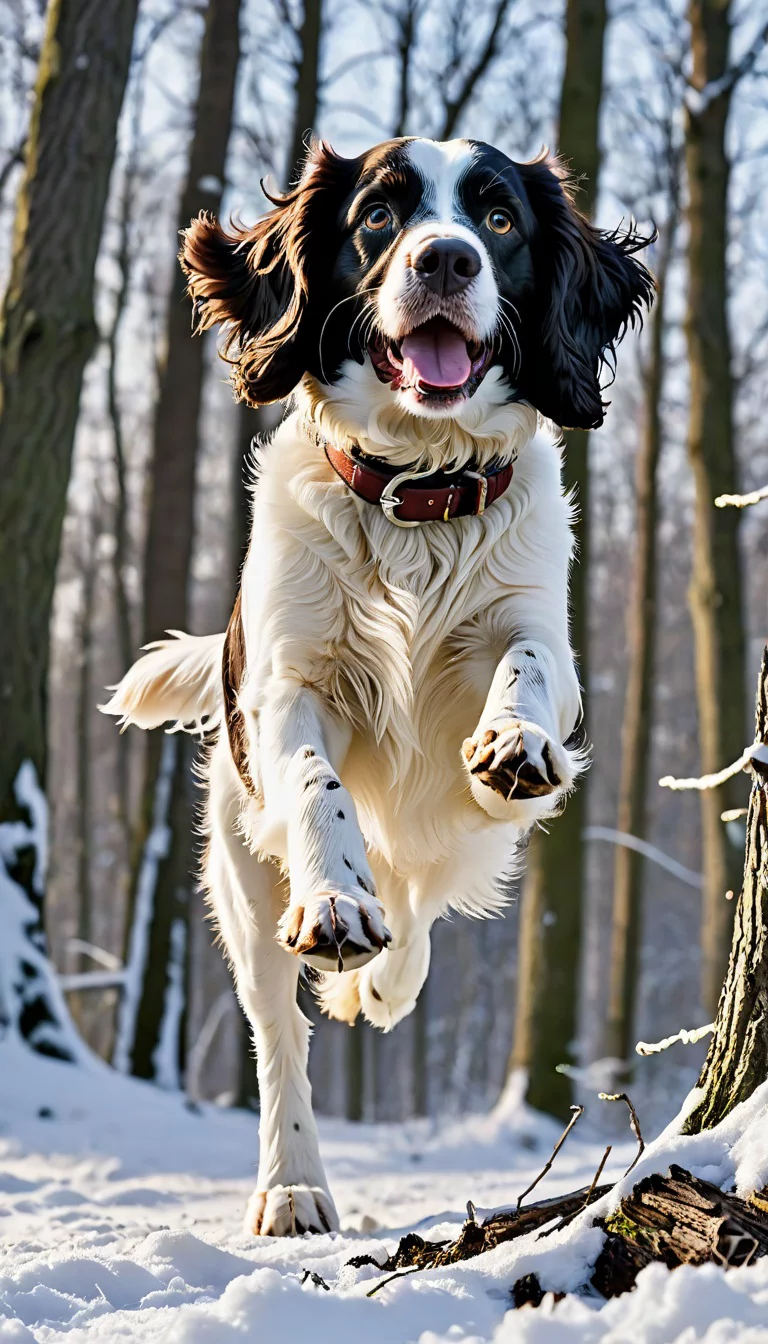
{"points": [[396, 691]]}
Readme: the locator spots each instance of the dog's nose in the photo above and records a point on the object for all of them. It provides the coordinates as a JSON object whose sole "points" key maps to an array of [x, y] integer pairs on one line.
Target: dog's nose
{"points": [[446, 265]]}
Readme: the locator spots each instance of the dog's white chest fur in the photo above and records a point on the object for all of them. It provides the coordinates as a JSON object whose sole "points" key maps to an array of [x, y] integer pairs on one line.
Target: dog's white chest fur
{"points": [[399, 629]]}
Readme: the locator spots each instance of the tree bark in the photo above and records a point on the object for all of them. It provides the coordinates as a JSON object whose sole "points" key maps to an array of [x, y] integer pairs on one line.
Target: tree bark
{"points": [[171, 513], [47, 334], [737, 1060], [629, 866], [716, 596], [556, 920]]}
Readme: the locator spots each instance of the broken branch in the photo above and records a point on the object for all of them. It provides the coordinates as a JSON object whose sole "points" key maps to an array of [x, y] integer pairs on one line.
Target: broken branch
{"points": [[634, 1124], [578, 1111]]}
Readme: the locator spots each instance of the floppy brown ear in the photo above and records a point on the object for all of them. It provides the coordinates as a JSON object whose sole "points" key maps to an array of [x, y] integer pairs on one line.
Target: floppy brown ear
{"points": [[588, 289], [256, 283]]}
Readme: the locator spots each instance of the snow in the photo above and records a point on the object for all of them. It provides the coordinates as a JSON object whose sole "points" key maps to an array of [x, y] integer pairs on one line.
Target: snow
{"points": [[121, 1209], [27, 985]]}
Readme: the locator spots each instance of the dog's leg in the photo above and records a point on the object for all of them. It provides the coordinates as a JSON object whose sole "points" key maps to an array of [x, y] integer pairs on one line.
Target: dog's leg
{"points": [[247, 895], [334, 919], [389, 987], [518, 767], [385, 989]]}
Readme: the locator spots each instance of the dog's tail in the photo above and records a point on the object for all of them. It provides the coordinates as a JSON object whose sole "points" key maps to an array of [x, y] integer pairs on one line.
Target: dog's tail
{"points": [[178, 681]]}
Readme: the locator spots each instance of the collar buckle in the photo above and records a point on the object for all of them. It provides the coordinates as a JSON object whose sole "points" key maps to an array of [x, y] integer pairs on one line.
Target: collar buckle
{"points": [[389, 501]]}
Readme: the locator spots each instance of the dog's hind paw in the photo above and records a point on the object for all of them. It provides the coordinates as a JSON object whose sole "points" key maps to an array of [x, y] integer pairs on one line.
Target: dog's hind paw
{"points": [[290, 1211], [334, 930]]}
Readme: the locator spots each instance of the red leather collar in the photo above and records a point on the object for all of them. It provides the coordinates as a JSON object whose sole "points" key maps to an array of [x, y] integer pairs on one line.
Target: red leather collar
{"points": [[409, 498]]}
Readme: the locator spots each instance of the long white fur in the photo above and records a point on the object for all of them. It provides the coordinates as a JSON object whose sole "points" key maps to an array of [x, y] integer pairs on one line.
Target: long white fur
{"points": [[372, 652]]}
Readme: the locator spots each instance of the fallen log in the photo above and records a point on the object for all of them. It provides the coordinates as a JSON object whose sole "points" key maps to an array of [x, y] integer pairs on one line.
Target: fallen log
{"points": [[675, 1218], [414, 1252]]}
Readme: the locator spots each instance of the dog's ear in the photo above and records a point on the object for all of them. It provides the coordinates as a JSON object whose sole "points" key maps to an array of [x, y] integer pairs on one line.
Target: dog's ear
{"points": [[257, 283], [588, 289]]}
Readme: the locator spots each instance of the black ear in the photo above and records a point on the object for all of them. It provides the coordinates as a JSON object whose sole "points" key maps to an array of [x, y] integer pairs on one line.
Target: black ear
{"points": [[256, 283], [588, 289]]}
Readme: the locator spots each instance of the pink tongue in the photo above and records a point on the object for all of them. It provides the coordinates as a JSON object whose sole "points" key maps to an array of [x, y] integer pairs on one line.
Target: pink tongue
{"points": [[437, 356]]}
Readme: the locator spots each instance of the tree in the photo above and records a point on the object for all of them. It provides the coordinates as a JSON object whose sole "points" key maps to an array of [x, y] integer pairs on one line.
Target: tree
{"points": [[306, 85], [546, 1027], [168, 550], [47, 335], [629, 867], [737, 1060], [638, 704], [716, 592]]}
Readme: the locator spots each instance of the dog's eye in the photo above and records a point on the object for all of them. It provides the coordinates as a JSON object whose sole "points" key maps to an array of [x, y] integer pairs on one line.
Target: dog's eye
{"points": [[498, 221], [377, 218]]}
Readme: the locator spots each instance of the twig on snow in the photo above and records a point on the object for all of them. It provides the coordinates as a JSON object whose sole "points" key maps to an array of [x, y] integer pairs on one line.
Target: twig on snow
{"points": [[401, 1274], [597, 1175], [578, 1111]]}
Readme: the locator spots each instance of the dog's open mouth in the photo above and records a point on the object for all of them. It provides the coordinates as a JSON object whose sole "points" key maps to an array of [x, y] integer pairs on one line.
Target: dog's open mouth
{"points": [[435, 361]]}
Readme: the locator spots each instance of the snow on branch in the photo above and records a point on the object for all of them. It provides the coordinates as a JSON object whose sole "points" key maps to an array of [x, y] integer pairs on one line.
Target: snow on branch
{"points": [[742, 501], [758, 751], [683, 1036]]}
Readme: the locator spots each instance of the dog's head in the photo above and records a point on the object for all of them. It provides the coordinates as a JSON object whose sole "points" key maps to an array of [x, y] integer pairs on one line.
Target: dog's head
{"points": [[429, 264]]}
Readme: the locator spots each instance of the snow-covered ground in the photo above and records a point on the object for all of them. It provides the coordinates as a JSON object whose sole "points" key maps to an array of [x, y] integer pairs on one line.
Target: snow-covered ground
{"points": [[120, 1218]]}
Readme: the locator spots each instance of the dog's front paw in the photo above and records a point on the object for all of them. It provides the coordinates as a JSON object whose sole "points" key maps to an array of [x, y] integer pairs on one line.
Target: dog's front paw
{"points": [[290, 1211], [334, 930], [516, 761]]}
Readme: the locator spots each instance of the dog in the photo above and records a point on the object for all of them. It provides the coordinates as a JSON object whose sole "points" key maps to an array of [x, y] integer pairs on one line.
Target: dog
{"points": [[395, 697]]}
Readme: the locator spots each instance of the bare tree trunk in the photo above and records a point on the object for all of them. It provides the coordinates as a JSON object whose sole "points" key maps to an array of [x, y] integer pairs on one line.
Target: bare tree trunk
{"points": [[639, 701], [716, 596], [78, 1003], [120, 552], [171, 520], [405, 40], [355, 1060], [47, 335], [556, 922], [420, 1065], [307, 84], [529, 961], [737, 1061]]}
